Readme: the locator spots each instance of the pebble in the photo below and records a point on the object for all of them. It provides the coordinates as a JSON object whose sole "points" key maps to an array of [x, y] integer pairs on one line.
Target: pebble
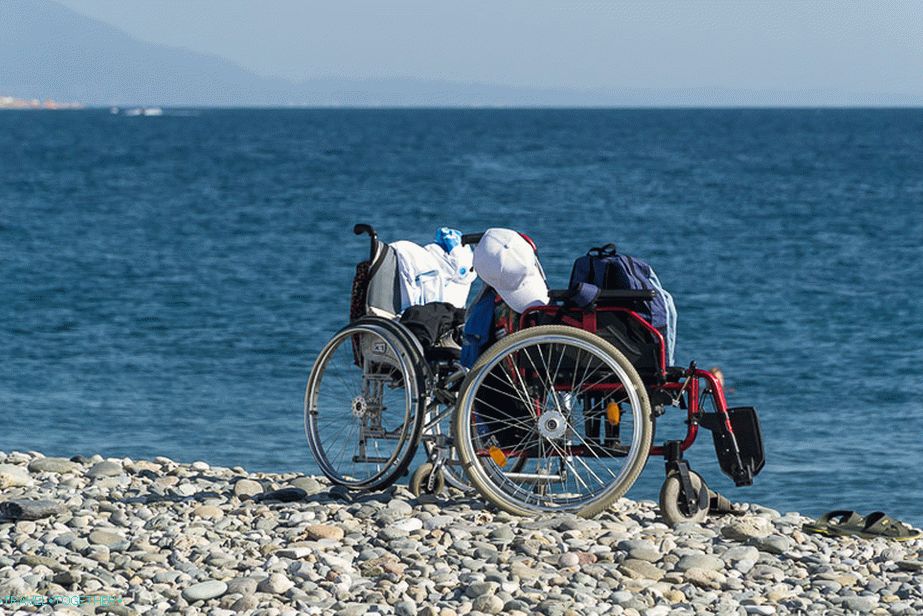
{"points": [[488, 604], [246, 488], [53, 465], [193, 539], [309, 484], [209, 512], [765, 610], [747, 528], [409, 524], [29, 509], [700, 561], [14, 476], [862, 604], [324, 531], [400, 507], [704, 578], [106, 468], [242, 586], [642, 569], [276, 584], [108, 539], [284, 495], [569, 559], [204, 591], [739, 553], [774, 544]]}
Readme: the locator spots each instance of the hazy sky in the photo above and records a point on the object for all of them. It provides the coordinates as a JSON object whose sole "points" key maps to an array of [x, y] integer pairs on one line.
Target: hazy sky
{"points": [[871, 47]]}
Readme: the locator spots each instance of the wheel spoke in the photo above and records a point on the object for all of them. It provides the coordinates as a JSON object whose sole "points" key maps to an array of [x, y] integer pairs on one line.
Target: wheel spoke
{"points": [[380, 407], [561, 432]]}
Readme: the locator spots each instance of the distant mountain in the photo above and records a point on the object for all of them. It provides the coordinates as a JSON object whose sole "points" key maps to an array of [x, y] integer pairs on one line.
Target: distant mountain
{"points": [[49, 51]]}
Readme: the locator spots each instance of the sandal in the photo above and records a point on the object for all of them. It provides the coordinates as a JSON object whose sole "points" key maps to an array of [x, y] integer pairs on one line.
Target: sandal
{"points": [[836, 523], [879, 524]]}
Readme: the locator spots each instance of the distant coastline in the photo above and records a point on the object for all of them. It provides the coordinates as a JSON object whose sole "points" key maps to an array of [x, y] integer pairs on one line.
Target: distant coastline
{"points": [[11, 102]]}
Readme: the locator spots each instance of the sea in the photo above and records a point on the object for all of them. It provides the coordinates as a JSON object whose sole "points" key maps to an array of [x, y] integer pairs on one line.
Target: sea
{"points": [[166, 282]]}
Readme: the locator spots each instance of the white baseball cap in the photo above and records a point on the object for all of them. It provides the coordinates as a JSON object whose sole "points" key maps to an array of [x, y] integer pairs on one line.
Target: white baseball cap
{"points": [[507, 262]]}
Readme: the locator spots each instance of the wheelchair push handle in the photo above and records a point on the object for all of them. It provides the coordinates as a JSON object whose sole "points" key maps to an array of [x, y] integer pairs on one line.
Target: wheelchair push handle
{"points": [[373, 237], [471, 238]]}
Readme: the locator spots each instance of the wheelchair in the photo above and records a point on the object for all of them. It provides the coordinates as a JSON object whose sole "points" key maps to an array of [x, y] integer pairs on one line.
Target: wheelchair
{"points": [[557, 415]]}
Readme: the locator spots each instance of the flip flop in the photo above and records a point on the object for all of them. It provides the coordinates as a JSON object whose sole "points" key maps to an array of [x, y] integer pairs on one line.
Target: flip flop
{"points": [[879, 524], [836, 523]]}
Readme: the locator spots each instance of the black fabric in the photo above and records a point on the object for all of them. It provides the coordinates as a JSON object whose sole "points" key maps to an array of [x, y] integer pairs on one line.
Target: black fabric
{"points": [[621, 330], [430, 322], [360, 291]]}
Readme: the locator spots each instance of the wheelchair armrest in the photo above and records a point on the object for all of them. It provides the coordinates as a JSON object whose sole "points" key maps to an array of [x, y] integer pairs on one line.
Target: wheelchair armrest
{"points": [[607, 296]]}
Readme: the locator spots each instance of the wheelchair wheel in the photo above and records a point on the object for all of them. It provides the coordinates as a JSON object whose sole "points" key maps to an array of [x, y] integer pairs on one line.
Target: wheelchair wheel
{"points": [[553, 418], [426, 480], [363, 407], [672, 510]]}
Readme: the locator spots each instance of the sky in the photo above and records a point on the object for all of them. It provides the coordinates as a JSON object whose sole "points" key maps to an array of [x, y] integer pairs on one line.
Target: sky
{"points": [[850, 47]]}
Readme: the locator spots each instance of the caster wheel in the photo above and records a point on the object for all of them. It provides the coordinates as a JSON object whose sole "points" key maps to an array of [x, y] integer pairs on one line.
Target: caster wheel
{"points": [[670, 508], [420, 480]]}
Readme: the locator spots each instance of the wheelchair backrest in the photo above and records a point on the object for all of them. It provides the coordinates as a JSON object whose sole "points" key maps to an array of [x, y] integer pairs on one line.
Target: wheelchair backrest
{"points": [[383, 297]]}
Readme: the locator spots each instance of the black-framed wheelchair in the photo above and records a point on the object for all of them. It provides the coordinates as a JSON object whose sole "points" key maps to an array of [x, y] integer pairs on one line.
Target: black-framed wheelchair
{"points": [[557, 414]]}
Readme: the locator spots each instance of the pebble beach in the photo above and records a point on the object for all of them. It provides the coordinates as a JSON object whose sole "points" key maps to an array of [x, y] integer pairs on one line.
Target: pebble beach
{"points": [[122, 536]]}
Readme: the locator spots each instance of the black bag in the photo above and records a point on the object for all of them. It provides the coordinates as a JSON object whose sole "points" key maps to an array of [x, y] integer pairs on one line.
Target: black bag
{"points": [[431, 322]]}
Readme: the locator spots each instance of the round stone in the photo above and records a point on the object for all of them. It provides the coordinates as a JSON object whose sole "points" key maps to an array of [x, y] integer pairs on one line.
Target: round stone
{"points": [[741, 552], [488, 604], [774, 544], [400, 506], [12, 476], [246, 488], [765, 610], [747, 528], [204, 591], [111, 540], [502, 534], [309, 484], [275, 584], [569, 559], [409, 524], [208, 512], [700, 561], [323, 531], [53, 465], [106, 468], [406, 608], [242, 586]]}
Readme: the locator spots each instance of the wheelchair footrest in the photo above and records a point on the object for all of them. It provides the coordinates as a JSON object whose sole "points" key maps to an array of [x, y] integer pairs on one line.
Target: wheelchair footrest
{"points": [[740, 454], [370, 460]]}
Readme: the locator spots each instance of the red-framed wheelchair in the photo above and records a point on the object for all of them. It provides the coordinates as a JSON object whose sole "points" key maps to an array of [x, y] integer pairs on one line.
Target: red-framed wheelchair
{"points": [[558, 414]]}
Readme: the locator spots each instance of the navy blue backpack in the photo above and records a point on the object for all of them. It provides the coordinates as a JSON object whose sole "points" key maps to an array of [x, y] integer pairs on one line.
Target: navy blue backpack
{"points": [[605, 268]]}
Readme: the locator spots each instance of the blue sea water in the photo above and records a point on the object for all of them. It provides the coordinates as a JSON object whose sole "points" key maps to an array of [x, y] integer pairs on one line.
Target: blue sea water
{"points": [[165, 282]]}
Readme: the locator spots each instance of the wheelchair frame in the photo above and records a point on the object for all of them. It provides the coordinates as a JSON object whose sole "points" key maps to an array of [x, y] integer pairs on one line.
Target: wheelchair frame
{"points": [[439, 383]]}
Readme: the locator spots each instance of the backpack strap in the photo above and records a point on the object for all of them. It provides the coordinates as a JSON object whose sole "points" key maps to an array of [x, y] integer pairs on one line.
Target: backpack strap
{"points": [[583, 294], [607, 250]]}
